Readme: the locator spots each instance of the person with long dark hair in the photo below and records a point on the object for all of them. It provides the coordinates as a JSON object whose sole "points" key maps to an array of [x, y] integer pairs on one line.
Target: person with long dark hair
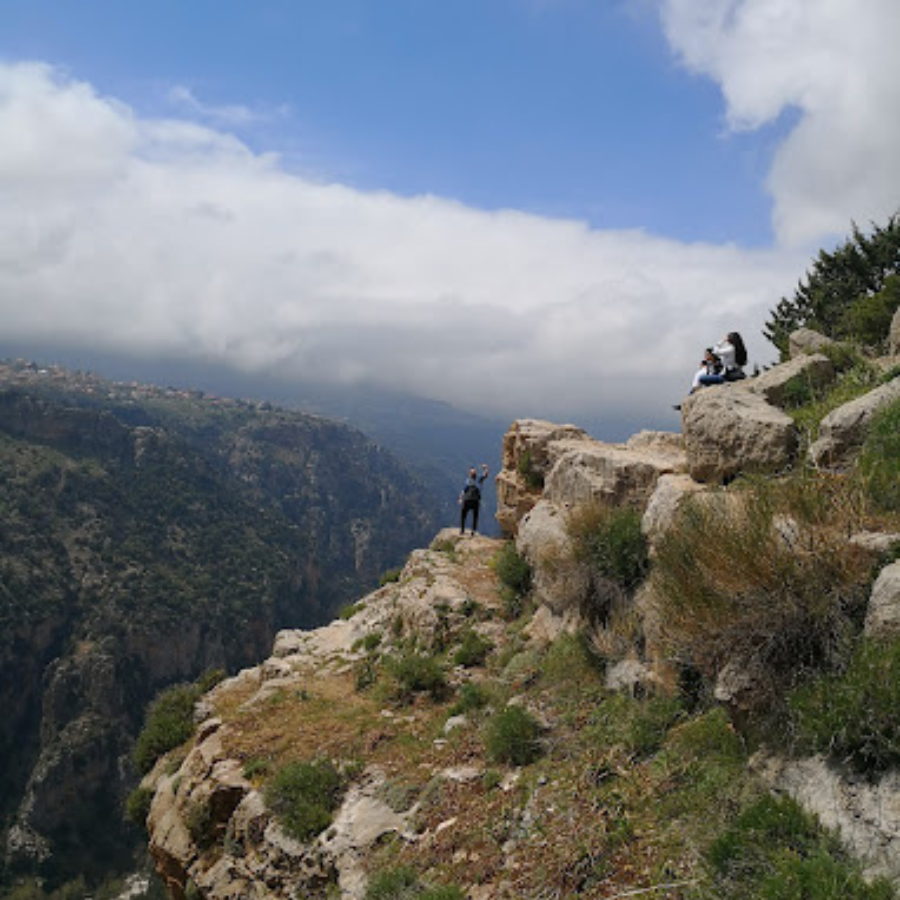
{"points": [[733, 355]]}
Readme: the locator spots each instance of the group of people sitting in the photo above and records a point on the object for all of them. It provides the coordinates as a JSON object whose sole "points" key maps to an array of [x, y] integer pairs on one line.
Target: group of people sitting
{"points": [[722, 362]]}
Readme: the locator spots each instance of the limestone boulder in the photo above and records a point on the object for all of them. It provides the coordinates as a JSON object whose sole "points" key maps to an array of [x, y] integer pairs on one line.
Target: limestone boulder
{"points": [[527, 459], [729, 430], [610, 474], [805, 340], [843, 431], [883, 615], [667, 498], [816, 370]]}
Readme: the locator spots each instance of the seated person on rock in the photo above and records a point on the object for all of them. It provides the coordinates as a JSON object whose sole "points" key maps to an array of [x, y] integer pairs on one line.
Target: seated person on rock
{"points": [[733, 356], [709, 365]]}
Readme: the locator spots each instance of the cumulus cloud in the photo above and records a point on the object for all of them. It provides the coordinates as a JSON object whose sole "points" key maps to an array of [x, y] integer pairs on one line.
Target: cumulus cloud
{"points": [[166, 237], [832, 64]]}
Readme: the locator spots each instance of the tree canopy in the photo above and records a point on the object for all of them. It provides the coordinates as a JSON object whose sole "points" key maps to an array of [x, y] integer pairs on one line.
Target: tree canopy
{"points": [[849, 293]]}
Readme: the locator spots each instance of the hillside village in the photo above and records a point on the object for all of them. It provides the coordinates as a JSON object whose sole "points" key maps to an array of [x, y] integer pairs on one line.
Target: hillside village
{"points": [[678, 677]]}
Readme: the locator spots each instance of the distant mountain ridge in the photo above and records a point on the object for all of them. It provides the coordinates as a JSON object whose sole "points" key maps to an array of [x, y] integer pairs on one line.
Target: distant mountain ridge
{"points": [[147, 534]]}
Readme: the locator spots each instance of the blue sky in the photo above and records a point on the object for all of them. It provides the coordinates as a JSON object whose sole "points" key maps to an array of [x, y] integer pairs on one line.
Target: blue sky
{"points": [[343, 189], [573, 109]]}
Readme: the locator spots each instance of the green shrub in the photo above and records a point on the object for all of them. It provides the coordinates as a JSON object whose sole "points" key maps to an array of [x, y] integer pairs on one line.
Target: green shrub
{"points": [[401, 883], [854, 715], [513, 736], [370, 642], [390, 576], [868, 320], [610, 540], [199, 823], [473, 650], [209, 679], [137, 806], [534, 479], [514, 573], [350, 610], [303, 796], [775, 851], [472, 697], [256, 767], [879, 461], [169, 723], [416, 673], [443, 892]]}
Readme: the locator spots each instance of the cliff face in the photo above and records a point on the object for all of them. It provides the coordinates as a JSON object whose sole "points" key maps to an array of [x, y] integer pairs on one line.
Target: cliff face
{"points": [[146, 536], [608, 795]]}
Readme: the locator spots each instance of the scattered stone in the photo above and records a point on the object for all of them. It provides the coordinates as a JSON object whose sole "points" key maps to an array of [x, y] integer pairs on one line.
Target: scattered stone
{"points": [[883, 615], [876, 541], [670, 493]]}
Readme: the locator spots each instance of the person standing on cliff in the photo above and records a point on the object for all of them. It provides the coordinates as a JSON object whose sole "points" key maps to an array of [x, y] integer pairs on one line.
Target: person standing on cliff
{"points": [[470, 498]]}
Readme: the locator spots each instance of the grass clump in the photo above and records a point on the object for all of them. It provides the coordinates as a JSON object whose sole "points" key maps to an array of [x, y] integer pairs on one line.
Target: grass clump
{"points": [[636, 726], [514, 573], [611, 541], [855, 715], [879, 462], [775, 851], [304, 795], [533, 477], [763, 580], [137, 806], [169, 723], [513, 736], [472, 697], [403, 883], [417, 673], [473, 650]]}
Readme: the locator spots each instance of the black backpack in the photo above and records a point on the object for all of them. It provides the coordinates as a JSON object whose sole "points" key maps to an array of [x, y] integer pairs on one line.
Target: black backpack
{"points": [[471, 493]]}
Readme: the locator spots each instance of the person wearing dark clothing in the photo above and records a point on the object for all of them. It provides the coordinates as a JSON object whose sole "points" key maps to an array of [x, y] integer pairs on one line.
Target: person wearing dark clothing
{"points": [[470, 498]]}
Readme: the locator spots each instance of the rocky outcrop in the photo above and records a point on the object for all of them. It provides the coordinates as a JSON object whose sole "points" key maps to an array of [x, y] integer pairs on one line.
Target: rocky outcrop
{"points": [[865, 813], [814, 372], [731, 429], [883, 615], [662, 508], [527, 461], [805, 340], [210, 826], [843, 431]]}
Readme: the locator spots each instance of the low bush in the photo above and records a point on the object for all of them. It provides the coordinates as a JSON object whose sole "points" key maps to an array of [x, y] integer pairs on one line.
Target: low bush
{"points": [[513, 736], [514, 573], [473, 650], [137, 806], [390, 576], [534, 479], [610, 540], [879, 461], [303, 796], [472, 697], [416, 673], [169, 722], [775, 851], [854, 715]]}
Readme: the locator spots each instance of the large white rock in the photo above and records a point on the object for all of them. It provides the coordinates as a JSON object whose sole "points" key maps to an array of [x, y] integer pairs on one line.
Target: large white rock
{"points": [[670, 493], [843, 431], [610, 474], [729, 430], [883, 615]]}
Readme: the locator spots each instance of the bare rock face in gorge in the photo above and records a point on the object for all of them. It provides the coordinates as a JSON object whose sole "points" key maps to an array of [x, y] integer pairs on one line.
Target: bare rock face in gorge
{"points": [[146, 536]]}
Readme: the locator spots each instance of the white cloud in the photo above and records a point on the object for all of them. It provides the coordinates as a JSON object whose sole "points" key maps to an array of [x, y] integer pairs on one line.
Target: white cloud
{"points": [[834, 62], [165, 237]]}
